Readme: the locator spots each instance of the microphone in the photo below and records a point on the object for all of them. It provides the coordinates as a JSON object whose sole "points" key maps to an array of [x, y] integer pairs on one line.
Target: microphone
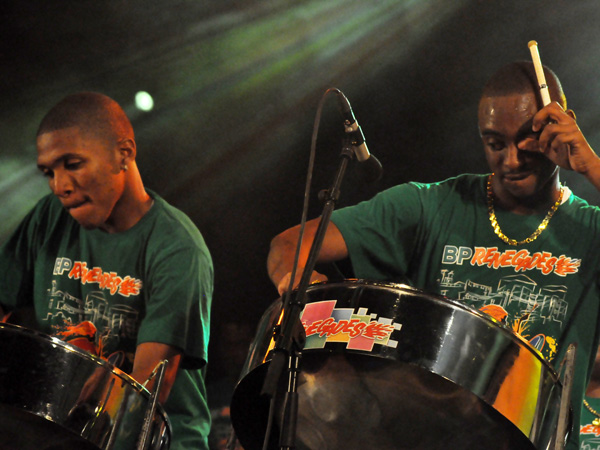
{"points": [[369, 167]]}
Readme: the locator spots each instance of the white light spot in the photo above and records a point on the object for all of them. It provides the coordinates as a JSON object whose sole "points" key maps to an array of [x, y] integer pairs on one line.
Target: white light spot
{"points": [[144, 101]]}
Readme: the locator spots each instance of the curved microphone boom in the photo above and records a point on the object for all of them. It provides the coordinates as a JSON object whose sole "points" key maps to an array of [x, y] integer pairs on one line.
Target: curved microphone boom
{"points": [[369, 167]]}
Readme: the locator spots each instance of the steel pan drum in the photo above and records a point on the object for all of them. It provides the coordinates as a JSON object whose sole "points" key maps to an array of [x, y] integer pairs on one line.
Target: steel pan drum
{"points": [[388, 366], [55, 396]]}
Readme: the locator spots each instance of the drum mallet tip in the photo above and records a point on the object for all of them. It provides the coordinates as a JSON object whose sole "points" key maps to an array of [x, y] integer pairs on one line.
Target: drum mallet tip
{"points": [[539, 72]]}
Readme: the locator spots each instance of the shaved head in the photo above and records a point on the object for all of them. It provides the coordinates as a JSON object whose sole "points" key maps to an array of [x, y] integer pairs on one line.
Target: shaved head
{"points": [[92, 113], [519, 78]]}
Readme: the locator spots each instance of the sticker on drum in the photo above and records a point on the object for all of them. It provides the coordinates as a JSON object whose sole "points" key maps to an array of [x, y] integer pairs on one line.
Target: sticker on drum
{"points": [[55, 396], [389, 366]]}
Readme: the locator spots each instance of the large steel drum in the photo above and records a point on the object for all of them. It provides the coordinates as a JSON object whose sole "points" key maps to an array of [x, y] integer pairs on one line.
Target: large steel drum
{"points": [[55, 396], [386, 366]]}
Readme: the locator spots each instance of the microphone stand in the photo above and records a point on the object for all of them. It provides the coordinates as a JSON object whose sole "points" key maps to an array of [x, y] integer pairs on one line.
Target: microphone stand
{"points": [[290, 337]]}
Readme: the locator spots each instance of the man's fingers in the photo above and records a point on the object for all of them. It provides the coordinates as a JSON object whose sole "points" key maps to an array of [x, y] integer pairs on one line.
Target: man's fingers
{"points": [[284, 283], [529, 145]]}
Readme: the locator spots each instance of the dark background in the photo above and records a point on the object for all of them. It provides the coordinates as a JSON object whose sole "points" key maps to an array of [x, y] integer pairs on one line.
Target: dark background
{"points": [[236, 86]]}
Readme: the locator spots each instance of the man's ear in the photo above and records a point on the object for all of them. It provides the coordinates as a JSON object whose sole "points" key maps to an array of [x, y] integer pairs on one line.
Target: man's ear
{"points": [[571, 114], [127, 150]]}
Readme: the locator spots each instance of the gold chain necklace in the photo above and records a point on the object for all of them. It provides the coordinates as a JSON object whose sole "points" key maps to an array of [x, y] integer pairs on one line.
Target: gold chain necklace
{"points": [[596, 421], [535, 234]]}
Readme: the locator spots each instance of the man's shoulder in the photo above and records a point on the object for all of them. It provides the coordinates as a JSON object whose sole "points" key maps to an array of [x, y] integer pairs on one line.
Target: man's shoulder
{"points": [[464, 187], [576, 205], [580, 202], [173, 216], [173, 225], [465, 180]]}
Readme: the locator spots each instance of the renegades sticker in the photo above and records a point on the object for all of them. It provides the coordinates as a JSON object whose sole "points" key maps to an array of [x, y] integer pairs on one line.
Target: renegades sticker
{"points": [[323, 323]]}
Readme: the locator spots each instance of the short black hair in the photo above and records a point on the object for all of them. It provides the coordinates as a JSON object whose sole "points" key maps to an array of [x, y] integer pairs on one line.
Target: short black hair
{"points": [[519, 77], [92, 112]]}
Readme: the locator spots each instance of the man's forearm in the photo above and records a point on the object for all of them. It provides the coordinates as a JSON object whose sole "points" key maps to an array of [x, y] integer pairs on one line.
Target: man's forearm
{"points": [[283, 251]]}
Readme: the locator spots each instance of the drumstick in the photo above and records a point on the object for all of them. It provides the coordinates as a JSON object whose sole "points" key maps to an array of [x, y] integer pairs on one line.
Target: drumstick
{"points": [[539, 71]]}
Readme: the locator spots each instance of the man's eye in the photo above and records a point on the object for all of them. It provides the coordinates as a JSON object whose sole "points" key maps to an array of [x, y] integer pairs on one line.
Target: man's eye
{"points": [[72, 165], [47, 173], [495, 145]]}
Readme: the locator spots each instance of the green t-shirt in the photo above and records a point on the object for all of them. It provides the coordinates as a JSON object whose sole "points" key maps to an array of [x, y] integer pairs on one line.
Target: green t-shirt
{"points": [[109, 292], [589, 434], [439, 237]]}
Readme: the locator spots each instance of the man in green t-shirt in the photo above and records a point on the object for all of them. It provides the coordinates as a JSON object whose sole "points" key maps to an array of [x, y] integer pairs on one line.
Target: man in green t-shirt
{"points": [[514, 243], [111, 267]]}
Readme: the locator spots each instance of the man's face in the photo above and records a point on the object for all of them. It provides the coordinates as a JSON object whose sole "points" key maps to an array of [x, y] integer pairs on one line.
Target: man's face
{"points": [[505, 121], [83, 172]]}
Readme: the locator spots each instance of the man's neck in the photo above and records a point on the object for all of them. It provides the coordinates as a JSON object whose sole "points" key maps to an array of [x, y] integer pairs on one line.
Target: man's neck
{"points": [[131, 207], [538, 203]]}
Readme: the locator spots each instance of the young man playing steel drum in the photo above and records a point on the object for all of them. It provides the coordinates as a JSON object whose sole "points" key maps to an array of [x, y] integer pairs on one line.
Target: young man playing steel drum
{"points": [[104, 255], [489, 230]]}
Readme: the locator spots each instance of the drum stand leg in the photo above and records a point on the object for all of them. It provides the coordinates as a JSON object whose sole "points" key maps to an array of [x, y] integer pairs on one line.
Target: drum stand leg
{"points": [[289, 410], [565, 400], [291, 336], [159, 372], [287, 439]]}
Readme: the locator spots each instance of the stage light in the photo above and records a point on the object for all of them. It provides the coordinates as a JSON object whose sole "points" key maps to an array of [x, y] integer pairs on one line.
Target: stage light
{"points": [[144, 101]]}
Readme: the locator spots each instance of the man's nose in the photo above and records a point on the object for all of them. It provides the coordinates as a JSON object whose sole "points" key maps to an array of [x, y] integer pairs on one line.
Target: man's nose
{"points": [[61, 184], [512, 159]]}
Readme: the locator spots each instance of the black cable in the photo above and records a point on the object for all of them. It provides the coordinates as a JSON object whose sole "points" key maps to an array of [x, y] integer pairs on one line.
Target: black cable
{"points": [[311, 163], [287, 296]]}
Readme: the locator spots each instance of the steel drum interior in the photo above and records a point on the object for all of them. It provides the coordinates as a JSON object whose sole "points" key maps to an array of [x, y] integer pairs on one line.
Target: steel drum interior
{"points": [[54, 396], [447, 377]]}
